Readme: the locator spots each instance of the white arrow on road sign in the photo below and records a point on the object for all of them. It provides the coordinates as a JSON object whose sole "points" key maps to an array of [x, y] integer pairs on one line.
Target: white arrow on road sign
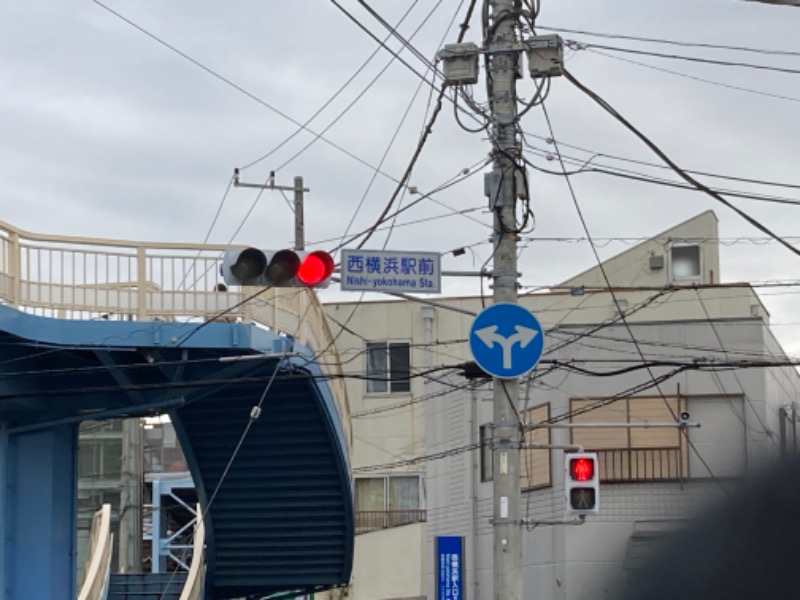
{"points": [[506, 340], [490, 337]]}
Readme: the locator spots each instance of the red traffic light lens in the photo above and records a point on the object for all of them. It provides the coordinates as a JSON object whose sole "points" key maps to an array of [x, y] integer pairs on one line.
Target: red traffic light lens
{"points": [[315, 268], [581, 469]]}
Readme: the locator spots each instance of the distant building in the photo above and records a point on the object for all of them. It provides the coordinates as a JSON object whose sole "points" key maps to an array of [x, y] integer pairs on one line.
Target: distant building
{"points": [[418, 473], [159, 467]]}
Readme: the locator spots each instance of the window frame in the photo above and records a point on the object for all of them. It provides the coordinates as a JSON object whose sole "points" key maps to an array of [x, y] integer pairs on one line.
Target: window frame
{"points": [[386, 478], [686, 278], [371, 378]]}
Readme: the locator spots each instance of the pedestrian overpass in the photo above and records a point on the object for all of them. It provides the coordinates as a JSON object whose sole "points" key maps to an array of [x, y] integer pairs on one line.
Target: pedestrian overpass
{"points": [[106, 329]]}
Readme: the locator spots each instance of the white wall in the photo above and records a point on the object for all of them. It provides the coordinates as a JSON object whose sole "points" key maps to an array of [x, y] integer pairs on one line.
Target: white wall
{"points": [[389, 564]]}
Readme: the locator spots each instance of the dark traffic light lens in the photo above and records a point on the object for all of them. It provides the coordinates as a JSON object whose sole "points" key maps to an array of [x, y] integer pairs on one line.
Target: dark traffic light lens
{"points": [[582, 498], [283, 266], [250, 264], [581, 469]]}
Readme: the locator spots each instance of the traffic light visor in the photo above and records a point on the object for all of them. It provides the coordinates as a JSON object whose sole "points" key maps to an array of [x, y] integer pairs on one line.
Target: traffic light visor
{"points": [[315, 268], [581, 469]]}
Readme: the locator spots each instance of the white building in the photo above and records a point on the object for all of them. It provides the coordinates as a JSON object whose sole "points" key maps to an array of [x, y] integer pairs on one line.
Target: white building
{"points": [[417, 420]]}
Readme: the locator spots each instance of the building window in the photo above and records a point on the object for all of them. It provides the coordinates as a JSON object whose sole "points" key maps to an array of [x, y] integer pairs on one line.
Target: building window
{"points": [[686, 263], [534, 463], [388, 367], [633, 453], [388, 501], [100, 459]]}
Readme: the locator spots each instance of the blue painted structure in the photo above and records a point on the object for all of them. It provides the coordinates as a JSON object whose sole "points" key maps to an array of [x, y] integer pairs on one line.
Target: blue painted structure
{"points": [[282, 518]]}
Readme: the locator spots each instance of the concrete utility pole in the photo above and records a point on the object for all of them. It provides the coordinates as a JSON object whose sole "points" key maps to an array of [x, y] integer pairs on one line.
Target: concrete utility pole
{"points": [[130, 519], [504, 185], [299, 195], [502, 68], [299, 220]]}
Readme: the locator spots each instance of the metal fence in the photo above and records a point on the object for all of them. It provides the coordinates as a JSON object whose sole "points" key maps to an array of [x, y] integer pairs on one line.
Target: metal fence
{"points": [[641, 464], [71, 277]]}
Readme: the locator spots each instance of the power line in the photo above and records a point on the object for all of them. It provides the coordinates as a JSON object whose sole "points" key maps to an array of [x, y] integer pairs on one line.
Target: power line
{"points": [[237, 87], [383, 45], [671, 42], [388, 147], [595, 154], [729, 86], [683, 174], [584, 168], [336, 94], [696, 59], [420, 145], [602, 242], [624, 320], [361, 95], [385, 216], [765, 430], [561, 417]]}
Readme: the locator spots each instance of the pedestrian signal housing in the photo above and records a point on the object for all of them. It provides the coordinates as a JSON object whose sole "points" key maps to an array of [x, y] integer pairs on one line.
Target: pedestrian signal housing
{"points": [[276, 268], [582, 483]]}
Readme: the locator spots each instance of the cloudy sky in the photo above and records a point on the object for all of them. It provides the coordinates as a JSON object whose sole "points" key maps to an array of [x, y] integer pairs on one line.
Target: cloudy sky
{"points": [[106, 131]]}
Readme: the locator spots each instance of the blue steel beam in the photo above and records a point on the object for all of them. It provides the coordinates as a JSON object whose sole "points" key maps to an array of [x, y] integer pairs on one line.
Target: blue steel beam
{"points": [[292, 474]]}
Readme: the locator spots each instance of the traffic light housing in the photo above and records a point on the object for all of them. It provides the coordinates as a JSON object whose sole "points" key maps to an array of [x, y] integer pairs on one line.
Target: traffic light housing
{"points": [[582, 483], [276, 268]]}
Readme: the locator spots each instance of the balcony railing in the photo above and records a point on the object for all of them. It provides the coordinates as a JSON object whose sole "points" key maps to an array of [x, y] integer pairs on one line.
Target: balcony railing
{"points": [[641, 464], [373, 520]]}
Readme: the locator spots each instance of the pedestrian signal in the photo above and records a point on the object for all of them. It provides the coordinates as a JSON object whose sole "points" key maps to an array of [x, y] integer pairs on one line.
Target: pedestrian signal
{"points": [[582, 483]]}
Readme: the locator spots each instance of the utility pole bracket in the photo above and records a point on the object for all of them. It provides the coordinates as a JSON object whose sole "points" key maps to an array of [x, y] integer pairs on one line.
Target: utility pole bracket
{"points": [[505, 443]]}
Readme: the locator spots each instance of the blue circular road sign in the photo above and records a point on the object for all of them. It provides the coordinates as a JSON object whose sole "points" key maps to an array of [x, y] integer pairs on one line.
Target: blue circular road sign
{"points": [[506, 340]]}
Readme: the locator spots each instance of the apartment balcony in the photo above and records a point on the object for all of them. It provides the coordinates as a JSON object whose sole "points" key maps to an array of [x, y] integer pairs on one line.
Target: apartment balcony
{"points": [[621, 465]]}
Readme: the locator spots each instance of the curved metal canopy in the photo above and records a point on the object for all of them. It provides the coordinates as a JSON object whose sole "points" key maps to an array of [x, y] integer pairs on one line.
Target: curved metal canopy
{"points": [[274, 482]]}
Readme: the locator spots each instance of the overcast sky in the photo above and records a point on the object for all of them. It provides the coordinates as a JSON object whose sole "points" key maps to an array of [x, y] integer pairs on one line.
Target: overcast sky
{"points": [[107, 132]]}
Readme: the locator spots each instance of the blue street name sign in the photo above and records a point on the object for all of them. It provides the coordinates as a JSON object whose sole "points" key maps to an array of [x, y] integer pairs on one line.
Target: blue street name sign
{"points": [[506, 340], [389, 271], [449, 567]]}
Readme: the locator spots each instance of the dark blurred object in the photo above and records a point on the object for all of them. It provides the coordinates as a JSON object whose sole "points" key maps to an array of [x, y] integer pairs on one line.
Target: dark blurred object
{"points": [[745, 547]]}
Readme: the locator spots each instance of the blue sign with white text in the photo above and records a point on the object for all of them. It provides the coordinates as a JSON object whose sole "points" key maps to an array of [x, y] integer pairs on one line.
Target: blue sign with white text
{"points": [[390, 271], [449, 567], [506, 340]]}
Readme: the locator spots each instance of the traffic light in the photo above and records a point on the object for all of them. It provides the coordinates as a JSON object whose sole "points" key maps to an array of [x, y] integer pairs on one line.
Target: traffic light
{"points": [[582, 483], [276, 268]]}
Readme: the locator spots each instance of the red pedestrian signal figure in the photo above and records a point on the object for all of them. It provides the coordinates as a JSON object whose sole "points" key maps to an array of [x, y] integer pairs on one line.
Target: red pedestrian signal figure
{"points": [[582, 483], [277, 268]]}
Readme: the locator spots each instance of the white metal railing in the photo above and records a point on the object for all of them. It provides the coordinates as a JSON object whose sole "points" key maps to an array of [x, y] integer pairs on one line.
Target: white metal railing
{"points": [[97, 569], [195, 580], [72, 277]]}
